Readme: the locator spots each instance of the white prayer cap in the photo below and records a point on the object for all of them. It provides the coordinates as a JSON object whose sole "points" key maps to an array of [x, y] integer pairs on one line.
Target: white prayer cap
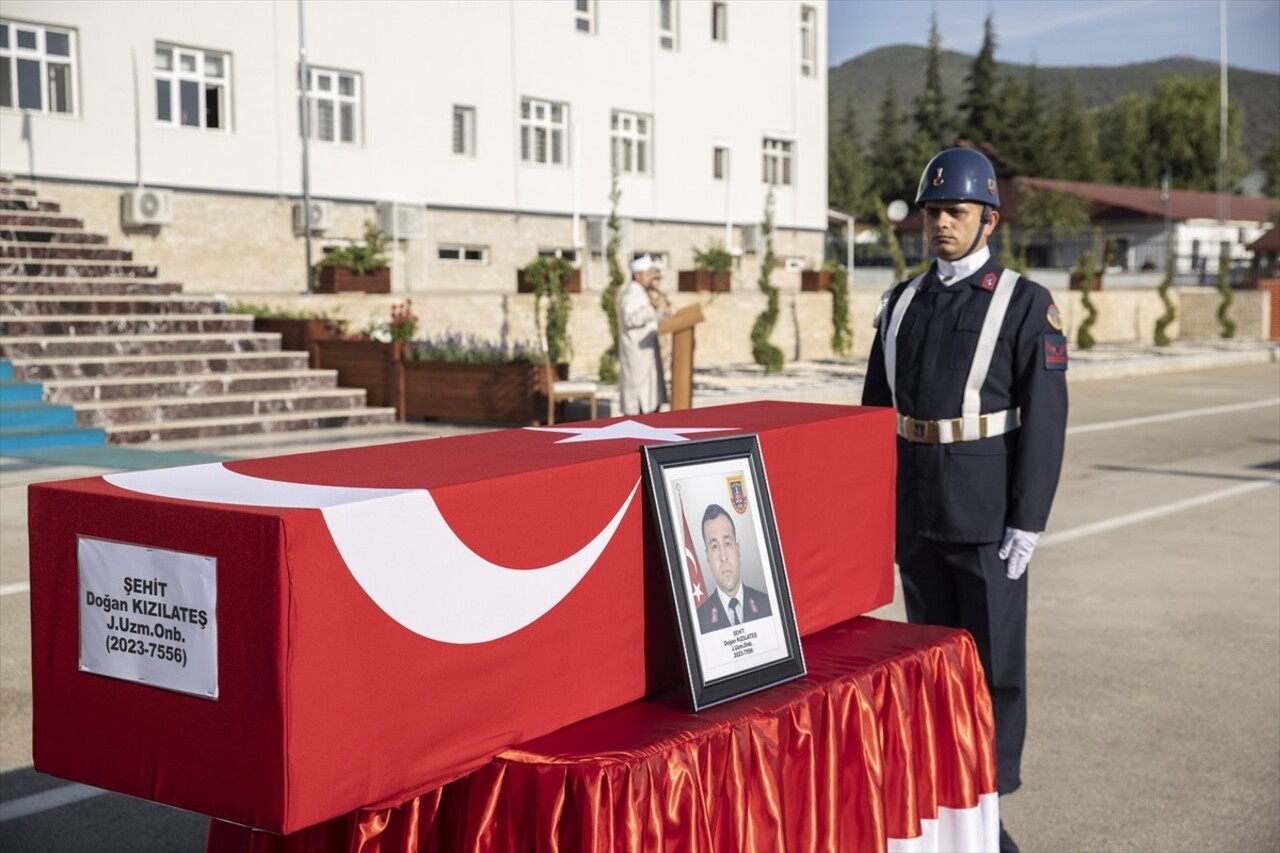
{"points": [[642, 263]]}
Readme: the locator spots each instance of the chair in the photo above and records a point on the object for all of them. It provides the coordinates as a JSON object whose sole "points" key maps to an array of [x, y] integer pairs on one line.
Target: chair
{"points": [[562, 389]]}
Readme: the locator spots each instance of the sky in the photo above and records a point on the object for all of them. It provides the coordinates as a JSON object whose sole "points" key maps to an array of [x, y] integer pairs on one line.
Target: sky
{"points": [[1065, 32]]}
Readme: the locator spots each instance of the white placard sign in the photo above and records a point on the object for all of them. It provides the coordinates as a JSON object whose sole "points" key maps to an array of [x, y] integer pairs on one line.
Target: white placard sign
{"points": [[149, 615]]}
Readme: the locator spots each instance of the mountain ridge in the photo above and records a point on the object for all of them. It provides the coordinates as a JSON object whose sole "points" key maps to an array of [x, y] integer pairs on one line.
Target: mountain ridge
{"points": [[865, 76]]}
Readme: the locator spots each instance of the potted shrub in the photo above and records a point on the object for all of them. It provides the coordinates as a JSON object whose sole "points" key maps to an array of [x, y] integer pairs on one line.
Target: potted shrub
{"points": [[548, 277], [525, 284], [299, 330], [457, 378], [359, 267], [1085, 271], [713, 270], [372, 358], [816, 280]]}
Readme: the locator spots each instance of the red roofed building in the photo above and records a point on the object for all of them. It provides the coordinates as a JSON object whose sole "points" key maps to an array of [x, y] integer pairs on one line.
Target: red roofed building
{"points": [[1132, 220]]}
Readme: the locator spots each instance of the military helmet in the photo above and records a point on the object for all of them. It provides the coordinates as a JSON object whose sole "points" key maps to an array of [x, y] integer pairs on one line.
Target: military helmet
{"points": [[959, 174]]}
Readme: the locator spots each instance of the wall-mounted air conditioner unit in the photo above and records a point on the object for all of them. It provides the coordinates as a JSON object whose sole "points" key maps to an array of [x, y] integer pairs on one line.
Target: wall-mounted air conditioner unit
{"points": [[750, 239], [597, 226], [321, 217], [145, 206], [402, 221]]}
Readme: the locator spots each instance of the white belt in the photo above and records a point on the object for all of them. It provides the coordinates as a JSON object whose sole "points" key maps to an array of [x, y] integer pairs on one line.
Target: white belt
{"points": [[951, 430]]}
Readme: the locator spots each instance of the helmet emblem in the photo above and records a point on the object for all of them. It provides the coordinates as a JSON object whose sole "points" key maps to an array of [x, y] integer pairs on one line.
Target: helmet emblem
{"points": [[991, 186], [937, 178]]}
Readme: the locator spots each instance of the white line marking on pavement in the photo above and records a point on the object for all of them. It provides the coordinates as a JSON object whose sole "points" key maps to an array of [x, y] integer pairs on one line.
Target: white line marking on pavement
{"points": [[1058, 537], [14, 588], [46, 800], [1174, 416]]}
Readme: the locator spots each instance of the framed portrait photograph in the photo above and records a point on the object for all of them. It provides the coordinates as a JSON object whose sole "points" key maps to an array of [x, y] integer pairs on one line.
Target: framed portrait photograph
{"points": [[711, 501]]}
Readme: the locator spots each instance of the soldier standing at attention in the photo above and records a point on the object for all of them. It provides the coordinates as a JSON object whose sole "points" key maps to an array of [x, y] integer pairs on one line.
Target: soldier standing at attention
{"points": [[973, 358]]}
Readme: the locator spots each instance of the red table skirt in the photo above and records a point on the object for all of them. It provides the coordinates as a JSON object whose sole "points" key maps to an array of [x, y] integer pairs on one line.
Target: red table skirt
{"points": [[885, 744]]}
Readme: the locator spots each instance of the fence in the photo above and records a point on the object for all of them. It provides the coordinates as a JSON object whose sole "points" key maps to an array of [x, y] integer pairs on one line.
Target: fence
{"points": [[1047, 250]]}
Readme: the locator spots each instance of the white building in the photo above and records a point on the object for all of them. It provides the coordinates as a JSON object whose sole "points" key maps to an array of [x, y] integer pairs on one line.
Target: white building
{"points": [[494, 126]]}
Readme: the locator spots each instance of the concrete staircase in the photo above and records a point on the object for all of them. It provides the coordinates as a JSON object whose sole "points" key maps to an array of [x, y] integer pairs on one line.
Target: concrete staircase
{"points": [[132, 355]]}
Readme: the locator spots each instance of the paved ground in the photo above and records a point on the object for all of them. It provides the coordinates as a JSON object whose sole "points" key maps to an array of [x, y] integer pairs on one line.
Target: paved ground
{"points": [[1155, 613]]}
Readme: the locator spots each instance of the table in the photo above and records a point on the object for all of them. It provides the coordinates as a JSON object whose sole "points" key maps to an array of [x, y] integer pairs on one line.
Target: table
{"points": [[356, 631], [885, 744]]}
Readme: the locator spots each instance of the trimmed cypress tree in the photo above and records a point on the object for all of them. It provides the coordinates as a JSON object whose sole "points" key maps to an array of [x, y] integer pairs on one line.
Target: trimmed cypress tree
{"points": [[609, 298], [765, 353]]}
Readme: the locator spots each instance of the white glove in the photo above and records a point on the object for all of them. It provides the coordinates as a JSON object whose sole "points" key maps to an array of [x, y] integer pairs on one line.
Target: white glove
{"points": [[1016, 550]]}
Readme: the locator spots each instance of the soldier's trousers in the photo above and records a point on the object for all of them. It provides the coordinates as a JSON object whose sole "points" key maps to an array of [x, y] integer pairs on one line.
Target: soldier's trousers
{"points": [[964, 586]]}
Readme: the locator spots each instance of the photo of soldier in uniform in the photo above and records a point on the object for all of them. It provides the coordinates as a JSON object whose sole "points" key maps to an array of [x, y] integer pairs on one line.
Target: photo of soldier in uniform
{"points": [[732, 602]]}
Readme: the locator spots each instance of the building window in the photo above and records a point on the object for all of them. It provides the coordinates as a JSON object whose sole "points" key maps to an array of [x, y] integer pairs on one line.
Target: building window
{"points": [[659, 258], [193, 87], [667, 22], [777, 161], [584, 16], [720, 163], [631, 134], [808, 41], [454, 253], [719, 22], [333, 106], [37, 68], [543, 131], [464, 130]]}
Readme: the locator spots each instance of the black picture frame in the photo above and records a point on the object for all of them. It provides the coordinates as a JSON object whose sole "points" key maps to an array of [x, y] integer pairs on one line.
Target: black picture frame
{"points": [[693, 486]]}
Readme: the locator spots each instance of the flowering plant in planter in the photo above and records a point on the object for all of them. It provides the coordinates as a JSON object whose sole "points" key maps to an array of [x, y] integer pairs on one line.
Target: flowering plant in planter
{"points": [[404, 321], [401, 328], [472, 349]]}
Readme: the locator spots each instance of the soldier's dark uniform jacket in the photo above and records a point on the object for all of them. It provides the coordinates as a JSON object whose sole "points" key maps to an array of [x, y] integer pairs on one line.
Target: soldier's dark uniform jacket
{"points": [[969, 491]]}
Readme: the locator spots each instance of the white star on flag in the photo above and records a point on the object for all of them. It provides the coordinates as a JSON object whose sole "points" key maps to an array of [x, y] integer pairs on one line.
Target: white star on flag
{"points": [[628, 429]]}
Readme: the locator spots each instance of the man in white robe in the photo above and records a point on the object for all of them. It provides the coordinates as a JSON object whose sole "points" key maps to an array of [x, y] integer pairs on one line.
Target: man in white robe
{"points": [[641, 306]]}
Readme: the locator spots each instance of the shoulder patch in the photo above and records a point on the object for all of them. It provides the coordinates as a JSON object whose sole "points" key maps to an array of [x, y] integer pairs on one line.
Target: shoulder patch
{"points": [[1053, 317], [1055, 351], [880, 306]]}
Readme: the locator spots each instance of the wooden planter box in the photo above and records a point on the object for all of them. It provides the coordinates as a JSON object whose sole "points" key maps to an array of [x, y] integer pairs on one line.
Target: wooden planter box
{"points": [[815, 280], [574, 284], [1076, 280], [491, 393], [347, 280], [296, 335], [371, 365], [690, 281]]}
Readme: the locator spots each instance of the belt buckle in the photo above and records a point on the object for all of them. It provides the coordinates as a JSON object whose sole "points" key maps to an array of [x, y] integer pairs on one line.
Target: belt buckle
{"points": [[919, 430]]}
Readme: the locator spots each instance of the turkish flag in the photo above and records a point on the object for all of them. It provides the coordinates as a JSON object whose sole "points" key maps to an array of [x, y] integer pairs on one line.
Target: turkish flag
{"points": [[378, 606], [691, 562]]}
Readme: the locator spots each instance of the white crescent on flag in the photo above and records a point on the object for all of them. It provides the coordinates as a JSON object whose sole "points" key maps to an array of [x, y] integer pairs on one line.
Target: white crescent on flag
{"points": [[400, 549]]}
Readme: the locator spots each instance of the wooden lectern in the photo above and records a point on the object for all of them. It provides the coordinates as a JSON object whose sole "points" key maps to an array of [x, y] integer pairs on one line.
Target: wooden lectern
{"points": [[680, 326]]}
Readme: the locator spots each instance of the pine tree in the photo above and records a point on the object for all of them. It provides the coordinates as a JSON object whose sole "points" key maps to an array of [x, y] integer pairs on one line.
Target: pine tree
{"points": [[1007, 133], [893, 168], [1271, 175], [933, 125], [1028, 150], [1123, 142], [980, 109], [848, 174], [1075, 142]]}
